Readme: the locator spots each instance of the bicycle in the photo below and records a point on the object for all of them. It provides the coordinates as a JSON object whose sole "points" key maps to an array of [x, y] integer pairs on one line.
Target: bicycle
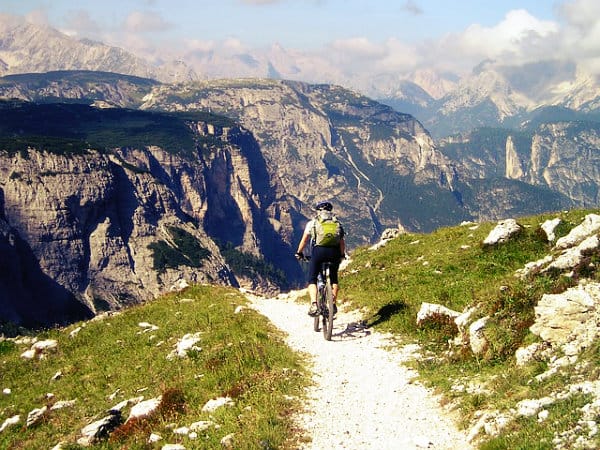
{"points": [[325, 307]]}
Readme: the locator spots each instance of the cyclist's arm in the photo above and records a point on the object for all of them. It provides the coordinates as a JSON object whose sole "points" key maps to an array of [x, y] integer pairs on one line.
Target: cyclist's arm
{"points": [[303, 242]]}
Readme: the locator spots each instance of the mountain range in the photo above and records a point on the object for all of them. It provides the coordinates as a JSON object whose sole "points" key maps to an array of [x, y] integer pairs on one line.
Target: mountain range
{"points": [[116, 186], [445, 103]]}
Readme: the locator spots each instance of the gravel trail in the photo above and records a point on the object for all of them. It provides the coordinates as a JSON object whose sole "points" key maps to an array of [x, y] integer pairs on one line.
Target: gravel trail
{"points": [[363, 396]]}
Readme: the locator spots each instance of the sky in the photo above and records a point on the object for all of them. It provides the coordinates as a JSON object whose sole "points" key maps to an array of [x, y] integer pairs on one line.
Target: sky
{"points": [[358, 35]]}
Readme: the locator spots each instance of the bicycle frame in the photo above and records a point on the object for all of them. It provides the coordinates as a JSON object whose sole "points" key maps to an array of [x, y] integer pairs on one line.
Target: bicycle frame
{"points": [[324, 302]]}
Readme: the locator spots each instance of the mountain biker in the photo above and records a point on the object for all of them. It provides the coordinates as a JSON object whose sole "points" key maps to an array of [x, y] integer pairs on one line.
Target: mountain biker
{"points": [[333, 252]]}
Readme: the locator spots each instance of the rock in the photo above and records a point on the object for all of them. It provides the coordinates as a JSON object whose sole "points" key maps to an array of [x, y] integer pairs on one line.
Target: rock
{"points": [[429, 310], [573, 257], [503, 231], [557, 316], [589, 226], [477, 340], [144, 408], [549, 226], [228, 441], [63, 404], [40, 348], [100, 429], [154, 437], [35, 416], [186, 344], [214, 404], [524, 355], [14, 420], [75, 332]]}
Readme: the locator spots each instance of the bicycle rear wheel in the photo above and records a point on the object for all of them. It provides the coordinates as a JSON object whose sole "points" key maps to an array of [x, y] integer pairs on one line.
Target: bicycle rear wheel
{"points": [[328, 313], [316, 322]]}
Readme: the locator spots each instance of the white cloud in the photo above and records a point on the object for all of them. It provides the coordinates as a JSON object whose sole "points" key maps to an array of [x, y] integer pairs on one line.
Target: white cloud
{"points": [[358, 47], [146, 22]]}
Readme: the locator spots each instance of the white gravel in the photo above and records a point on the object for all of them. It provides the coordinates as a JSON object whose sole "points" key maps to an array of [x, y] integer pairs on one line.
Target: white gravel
{"points": [[363, 396]]}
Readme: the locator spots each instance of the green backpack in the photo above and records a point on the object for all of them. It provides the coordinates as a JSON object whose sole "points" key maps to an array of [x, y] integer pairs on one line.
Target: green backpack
{"points": [[327, 231]]}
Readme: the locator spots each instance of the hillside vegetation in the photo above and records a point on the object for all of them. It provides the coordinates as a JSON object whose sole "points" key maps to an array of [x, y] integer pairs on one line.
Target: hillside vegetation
{"points": [[241, 359], [452, 268], [238, 358]]}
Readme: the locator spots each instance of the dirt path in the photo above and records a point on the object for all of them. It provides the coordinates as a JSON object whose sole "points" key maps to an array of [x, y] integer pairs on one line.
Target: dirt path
{"points": [[363, 397]]}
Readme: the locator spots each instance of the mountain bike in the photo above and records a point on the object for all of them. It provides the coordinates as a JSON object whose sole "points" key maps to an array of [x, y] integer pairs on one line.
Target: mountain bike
{"points": [[325, 306]]}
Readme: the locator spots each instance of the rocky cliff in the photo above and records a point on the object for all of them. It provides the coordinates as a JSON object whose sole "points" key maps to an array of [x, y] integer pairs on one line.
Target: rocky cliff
{"points": [[559, 159], [98, 229], [379, 166]]}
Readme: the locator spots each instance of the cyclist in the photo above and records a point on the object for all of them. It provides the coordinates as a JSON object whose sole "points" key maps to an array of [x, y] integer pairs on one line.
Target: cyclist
{"points": [[323, 250]]}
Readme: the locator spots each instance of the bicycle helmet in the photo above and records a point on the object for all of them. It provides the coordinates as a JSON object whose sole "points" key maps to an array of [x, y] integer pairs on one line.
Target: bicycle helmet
{"points": [[324, 206]]}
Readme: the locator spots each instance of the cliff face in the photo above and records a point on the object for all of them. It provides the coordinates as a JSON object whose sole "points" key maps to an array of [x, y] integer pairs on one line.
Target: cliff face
{"points": [[110, 229], [325, 142], [558, 159]]}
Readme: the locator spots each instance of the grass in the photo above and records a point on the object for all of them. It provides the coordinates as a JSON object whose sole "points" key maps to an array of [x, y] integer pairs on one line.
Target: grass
{"points": [[241, 356], [244, 358], [451, 267]]}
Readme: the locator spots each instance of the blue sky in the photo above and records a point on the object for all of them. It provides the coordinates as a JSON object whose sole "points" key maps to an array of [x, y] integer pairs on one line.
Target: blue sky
{"points": [[291, 23], [399, 35]]}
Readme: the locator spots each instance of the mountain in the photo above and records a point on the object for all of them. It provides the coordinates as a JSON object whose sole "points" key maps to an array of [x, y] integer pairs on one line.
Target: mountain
{"points": [[149, 185], [26, 48], [508, 96]]}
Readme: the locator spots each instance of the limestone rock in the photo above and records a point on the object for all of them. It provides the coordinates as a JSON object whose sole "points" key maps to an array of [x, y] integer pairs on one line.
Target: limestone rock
{"points": [[503, 231]]}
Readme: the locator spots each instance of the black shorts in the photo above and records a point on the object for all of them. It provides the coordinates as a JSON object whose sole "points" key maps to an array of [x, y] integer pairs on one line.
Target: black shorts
{"points": [[324, 254]]}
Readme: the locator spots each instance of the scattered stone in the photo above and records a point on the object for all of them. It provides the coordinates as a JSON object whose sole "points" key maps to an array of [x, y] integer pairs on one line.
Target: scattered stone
{"points": [[477, 340], [154, 438], [573, 257], [186, 344], [239, 309], [28, 354], [227, 441], [35, 415], [173, 447], [201, 425], [147, 327], [100, 429], [214, 404], [532, 352], [63, 404], [557, 316], [502, 232], [549, 226], [180, 285], [144, 408], [6, 391], [58, 375], [14, 420], [40, 348], [75, 332], [429, 310], [589, 226]]}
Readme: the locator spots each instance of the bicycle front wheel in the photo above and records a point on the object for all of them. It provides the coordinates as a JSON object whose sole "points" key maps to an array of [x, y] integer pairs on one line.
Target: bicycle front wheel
{"points": [[328, 313]]}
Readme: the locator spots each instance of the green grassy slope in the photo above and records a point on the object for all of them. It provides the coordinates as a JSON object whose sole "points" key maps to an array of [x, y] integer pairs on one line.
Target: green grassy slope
{"points": [[452, 268], [241, 357]]}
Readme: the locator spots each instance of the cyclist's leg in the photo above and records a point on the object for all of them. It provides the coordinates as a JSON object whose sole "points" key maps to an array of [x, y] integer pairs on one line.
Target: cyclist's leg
{"points": [[313, 272], [334, 259]]}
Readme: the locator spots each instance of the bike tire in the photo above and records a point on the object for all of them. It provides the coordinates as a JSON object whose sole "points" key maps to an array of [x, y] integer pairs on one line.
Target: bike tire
{"points": [[316, 322], [320, 303], [328, 314]]}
